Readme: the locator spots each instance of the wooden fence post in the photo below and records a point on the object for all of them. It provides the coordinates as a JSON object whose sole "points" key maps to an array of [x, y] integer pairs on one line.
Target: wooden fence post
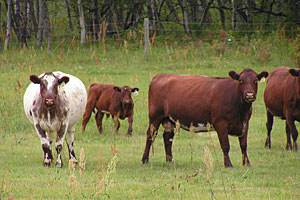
{"points": [[146, 37]]}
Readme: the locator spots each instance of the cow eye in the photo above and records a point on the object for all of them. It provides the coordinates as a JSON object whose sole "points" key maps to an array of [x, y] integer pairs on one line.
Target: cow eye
{"points": [[241, 82], [255, 81]]}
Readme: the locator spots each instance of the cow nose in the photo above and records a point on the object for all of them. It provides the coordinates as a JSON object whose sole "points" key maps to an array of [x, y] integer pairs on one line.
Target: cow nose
{"points": [[250, 96], [49, 102]]}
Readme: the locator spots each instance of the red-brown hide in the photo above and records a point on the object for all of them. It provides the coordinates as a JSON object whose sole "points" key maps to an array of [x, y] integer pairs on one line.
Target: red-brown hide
{"points": [[282, 99], [109, 99], [223, 102]]}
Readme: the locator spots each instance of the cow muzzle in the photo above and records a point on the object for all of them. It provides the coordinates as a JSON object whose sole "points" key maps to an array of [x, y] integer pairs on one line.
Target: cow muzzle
{"points": [[49, 102], [250, 97], [127, 101]]}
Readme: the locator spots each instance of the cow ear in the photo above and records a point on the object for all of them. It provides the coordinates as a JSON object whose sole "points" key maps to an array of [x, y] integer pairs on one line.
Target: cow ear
{"points": [[234, 75], [263, 74], [35, 79], [135, 91], [63, 79], [117, 89], [294, 72]]}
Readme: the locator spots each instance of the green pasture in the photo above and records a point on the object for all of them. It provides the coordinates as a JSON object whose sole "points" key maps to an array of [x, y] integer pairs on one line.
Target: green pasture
{"points": [[111, 166]]}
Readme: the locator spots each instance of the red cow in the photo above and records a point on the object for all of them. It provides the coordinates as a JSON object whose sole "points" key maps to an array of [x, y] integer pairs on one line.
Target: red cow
{"points": [[282, 99], [111, 100], [225, 103]]}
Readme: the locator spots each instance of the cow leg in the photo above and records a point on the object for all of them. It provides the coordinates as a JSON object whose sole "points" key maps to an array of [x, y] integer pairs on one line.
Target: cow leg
{"points": [[291, 125], [59, 144], [116, 123], [130, 120], [288, 137], [70, 144], [98, 118], [222, 131], [168, 139], [46, 146], [243, 146], [152, 131], [269, 125]]}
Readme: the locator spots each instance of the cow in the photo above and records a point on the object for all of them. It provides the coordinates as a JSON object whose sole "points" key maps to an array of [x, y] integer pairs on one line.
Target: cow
{"points": [[195, 100], [54, 102], [282, 99], [110, 100]]}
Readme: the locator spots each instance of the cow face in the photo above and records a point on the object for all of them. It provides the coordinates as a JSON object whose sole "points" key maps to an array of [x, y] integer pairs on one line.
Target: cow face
{"points": [[48, 87], [125, 93], [248, 83]]}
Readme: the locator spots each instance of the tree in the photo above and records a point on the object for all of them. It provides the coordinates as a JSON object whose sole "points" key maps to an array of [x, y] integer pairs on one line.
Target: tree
{"points": [[82, 23], [8, 30], [44, 24]]}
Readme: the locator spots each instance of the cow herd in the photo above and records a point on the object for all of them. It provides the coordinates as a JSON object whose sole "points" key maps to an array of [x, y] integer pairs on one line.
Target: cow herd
{"points": [[54, 102]]}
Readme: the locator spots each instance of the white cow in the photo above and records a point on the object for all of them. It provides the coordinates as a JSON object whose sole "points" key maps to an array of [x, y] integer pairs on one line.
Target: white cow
{"points": [[54, 102]]}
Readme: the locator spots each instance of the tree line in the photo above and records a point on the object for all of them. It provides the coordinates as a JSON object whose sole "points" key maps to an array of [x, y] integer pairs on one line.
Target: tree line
{"points": [[28, 19]]}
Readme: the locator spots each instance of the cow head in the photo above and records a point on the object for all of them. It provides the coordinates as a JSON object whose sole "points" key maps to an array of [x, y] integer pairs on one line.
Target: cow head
{"points": [[49, 87], [247, 83], [125, 93]]}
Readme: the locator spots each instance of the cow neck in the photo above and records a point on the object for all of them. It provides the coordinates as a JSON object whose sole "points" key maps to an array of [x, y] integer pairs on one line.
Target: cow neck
{"points": [[53, 111], [244, 107], [119, 107]]}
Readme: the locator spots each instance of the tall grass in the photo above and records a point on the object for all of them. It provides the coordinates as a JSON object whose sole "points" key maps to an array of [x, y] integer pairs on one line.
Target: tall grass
{"points": [[107, 170]]}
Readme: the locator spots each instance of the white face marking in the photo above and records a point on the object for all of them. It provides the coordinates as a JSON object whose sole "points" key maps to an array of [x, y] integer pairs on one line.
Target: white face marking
{"points": [[135, 93], [50, 80]]}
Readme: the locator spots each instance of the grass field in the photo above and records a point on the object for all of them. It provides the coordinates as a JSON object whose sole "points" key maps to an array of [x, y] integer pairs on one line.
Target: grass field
{"points": [[111, 164]]}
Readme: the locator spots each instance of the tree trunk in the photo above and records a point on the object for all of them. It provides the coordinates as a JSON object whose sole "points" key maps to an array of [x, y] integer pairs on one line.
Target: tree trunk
{"points": [[222, 14], [173, 11], [233, 14], [151, 14], [68, 15], [250, 5], [37, 10], [185, 13], [44, 24], [82, 23], [23, 28], [205, 13], [95, 20], [8, 31], [31, 17]]}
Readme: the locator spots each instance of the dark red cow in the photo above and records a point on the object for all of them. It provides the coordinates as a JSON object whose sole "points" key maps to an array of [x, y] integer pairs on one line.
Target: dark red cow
{"points": [[223, 102], [282, 99], [111, 100]]}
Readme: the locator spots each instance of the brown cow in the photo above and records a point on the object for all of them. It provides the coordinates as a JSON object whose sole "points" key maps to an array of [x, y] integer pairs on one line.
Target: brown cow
{"points": [[225, 103], [282, 99], [111, 100]]}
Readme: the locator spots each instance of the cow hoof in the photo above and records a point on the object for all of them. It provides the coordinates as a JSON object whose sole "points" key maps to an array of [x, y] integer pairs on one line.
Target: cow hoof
{"points": [[145, 160], [169, 159], [47, 162], [59, 164], [128, 135]]}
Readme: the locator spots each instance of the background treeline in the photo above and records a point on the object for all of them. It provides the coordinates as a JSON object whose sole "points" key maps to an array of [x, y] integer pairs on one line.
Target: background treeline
{"points": [[45, 21]]}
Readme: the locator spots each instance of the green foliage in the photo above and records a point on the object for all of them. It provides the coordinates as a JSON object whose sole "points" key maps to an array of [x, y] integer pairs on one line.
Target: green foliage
{"points": [[273, 175]]}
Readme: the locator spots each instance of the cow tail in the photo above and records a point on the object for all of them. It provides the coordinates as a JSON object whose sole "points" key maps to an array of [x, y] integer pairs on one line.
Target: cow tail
{"points": [[90, 106]]}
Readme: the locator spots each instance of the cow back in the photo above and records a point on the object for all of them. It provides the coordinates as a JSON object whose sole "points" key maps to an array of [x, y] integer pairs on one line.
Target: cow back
{"points": [[281, 91], [188, 98]]}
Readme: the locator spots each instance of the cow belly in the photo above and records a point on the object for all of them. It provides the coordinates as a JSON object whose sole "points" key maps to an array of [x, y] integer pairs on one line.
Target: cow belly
{"points": [[197, 127]]}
